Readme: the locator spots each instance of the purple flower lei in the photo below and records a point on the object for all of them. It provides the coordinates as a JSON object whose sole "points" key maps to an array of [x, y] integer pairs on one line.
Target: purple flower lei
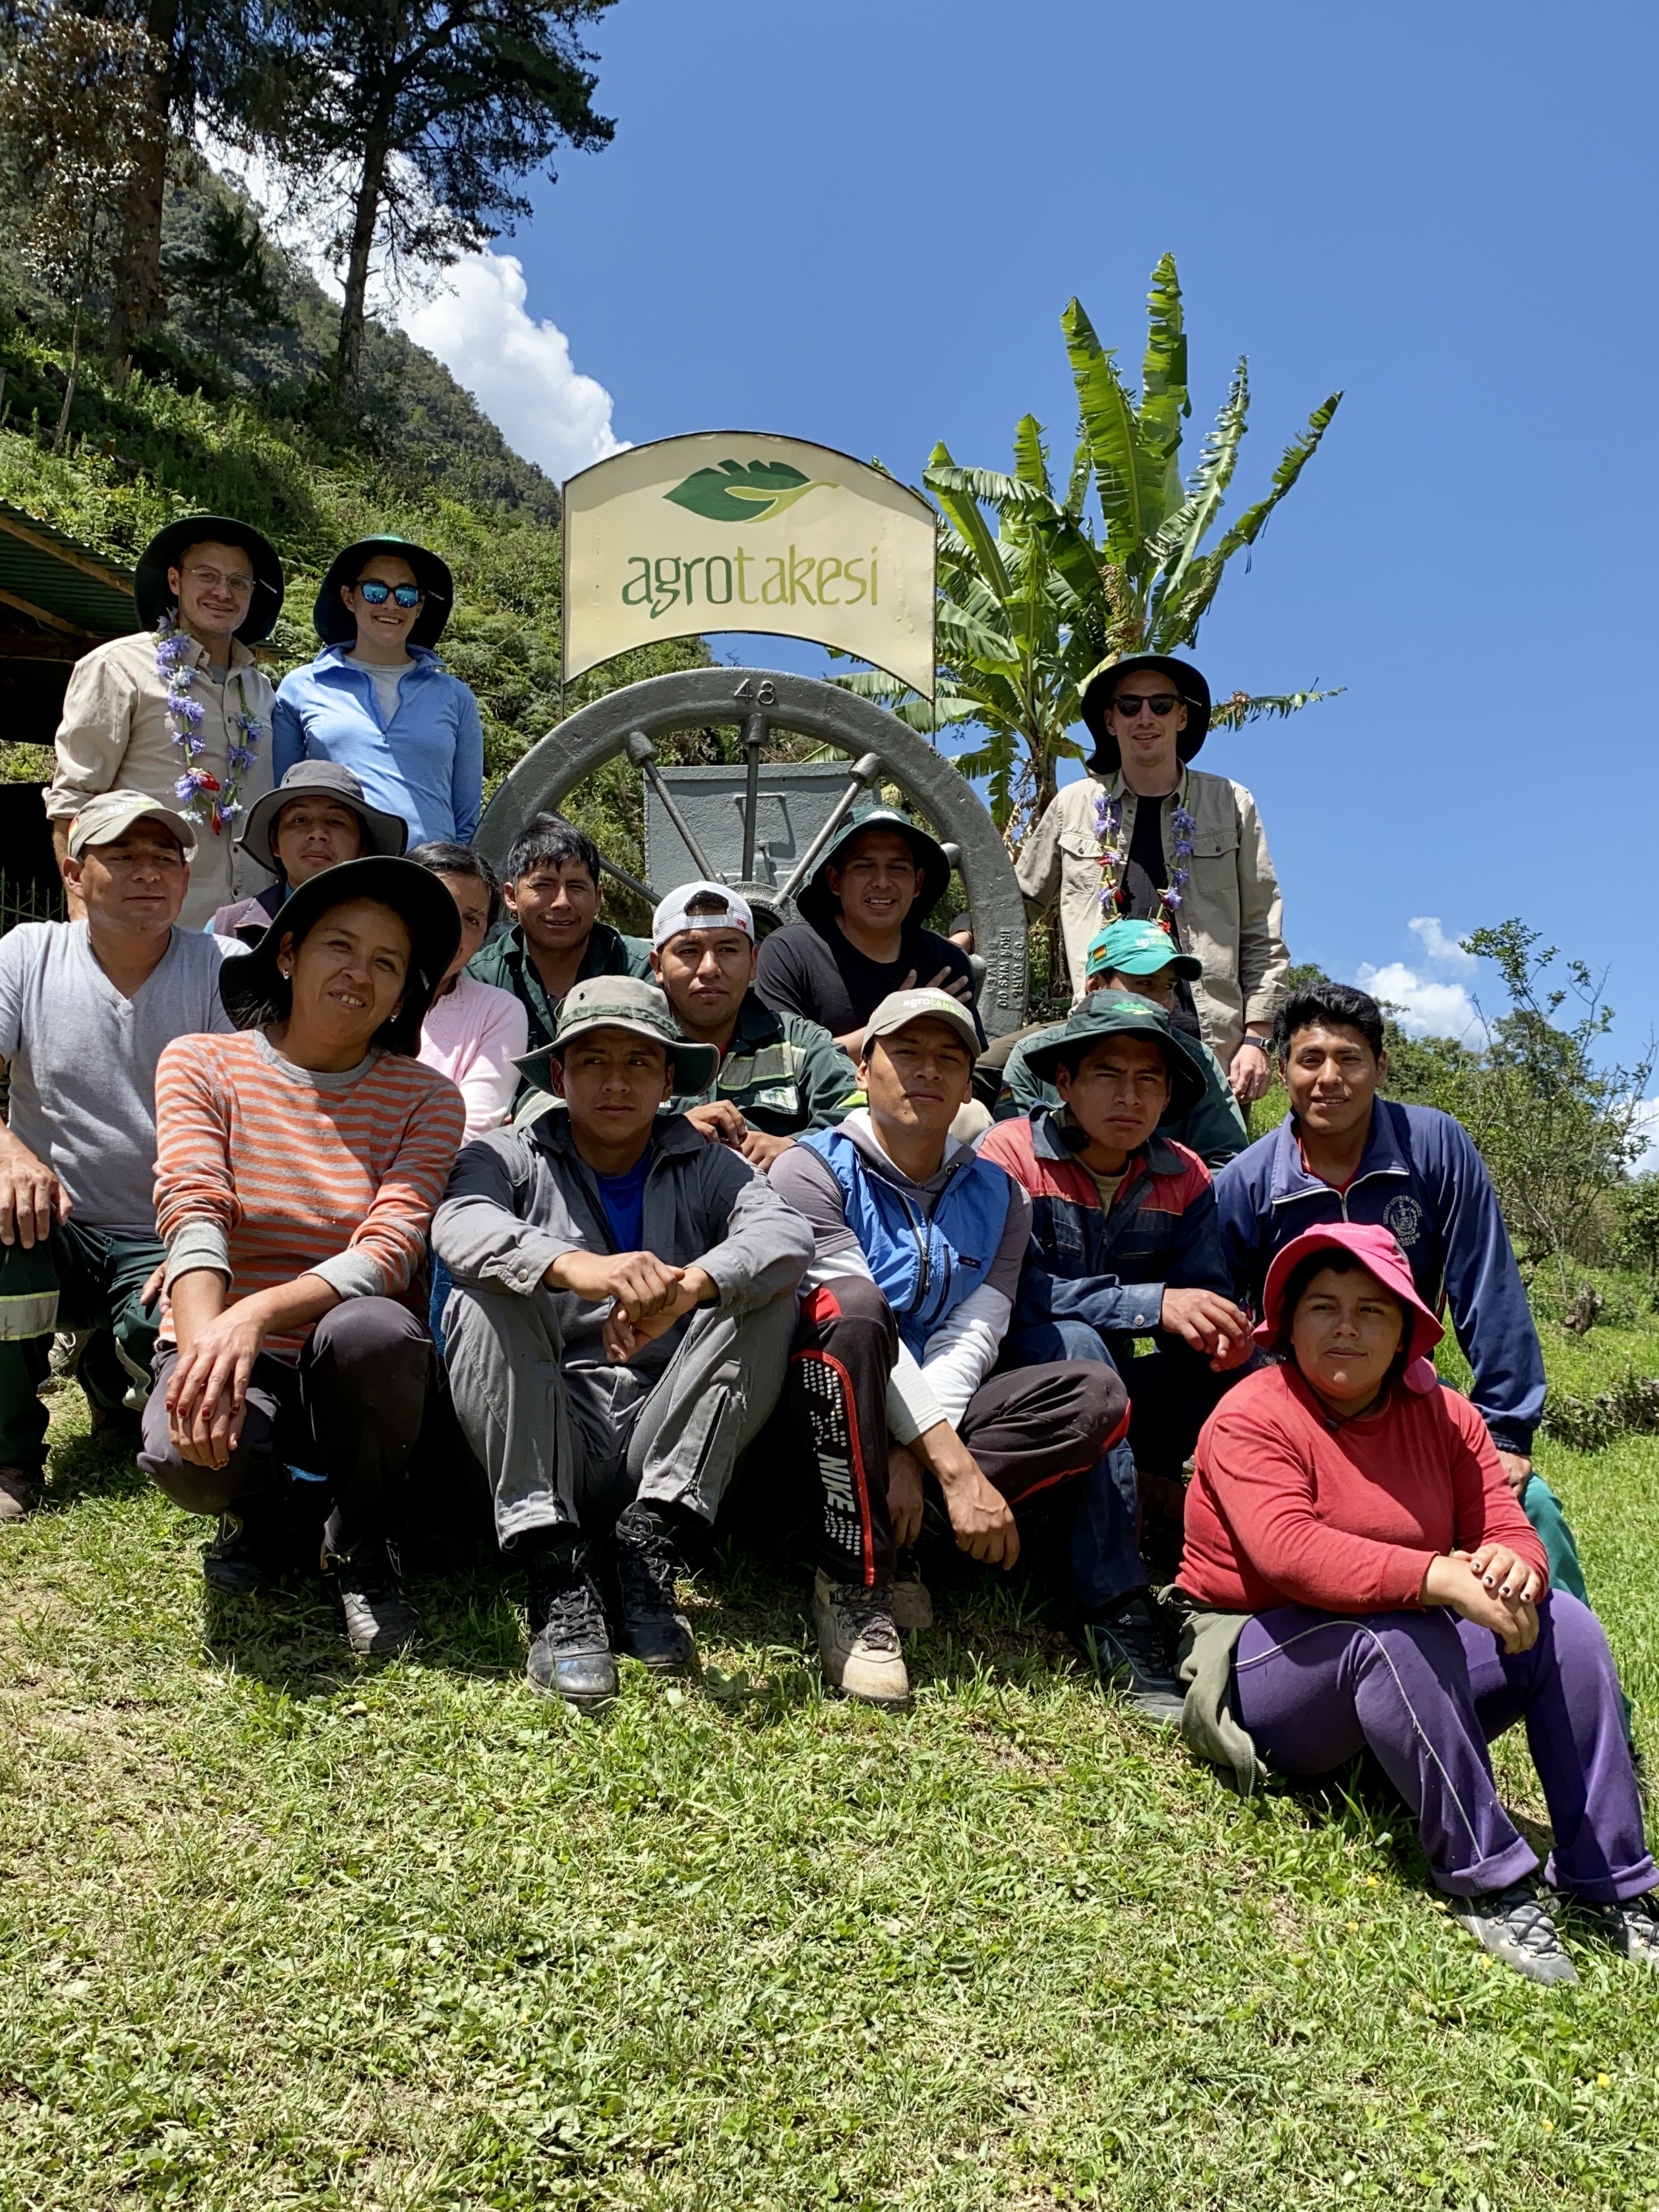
{"points": [[1115, 855], [205, 799]]}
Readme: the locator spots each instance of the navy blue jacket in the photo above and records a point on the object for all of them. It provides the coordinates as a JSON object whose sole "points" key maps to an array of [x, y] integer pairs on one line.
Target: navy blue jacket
{"points": [[1421, 1177]]}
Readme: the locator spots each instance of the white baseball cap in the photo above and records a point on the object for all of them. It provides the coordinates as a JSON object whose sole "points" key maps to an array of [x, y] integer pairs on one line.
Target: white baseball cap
{"points": [[733, 912]]}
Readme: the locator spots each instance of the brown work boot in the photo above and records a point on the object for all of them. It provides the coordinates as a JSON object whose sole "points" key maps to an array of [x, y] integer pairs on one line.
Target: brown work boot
{"points": [[18, 1493]]}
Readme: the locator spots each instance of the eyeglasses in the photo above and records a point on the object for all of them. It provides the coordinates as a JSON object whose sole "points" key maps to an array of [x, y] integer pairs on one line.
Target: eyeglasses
{"points": [[1129, 703], [209, 580], [376, 594]]}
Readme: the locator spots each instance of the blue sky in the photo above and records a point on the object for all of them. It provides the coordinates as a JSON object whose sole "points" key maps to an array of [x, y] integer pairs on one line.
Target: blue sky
{"points": [[859, 223]]}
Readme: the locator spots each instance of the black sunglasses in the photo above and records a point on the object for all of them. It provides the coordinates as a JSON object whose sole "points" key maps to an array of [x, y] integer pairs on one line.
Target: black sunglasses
{"points": [[1131, 702], [377, 593]]}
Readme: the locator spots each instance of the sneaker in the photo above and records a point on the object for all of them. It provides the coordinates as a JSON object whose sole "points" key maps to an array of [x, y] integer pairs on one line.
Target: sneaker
{"points": [[1514, 1925], [1631, 1928], [233, 1564], [653, 1629], [858, 1643], [569, 1644], [910, 1606], [378, 1618], [18, 1493], [1129, 1648]]}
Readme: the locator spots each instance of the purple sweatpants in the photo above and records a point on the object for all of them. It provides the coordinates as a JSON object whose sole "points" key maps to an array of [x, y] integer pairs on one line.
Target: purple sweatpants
{"points": [[1428, 1692]]}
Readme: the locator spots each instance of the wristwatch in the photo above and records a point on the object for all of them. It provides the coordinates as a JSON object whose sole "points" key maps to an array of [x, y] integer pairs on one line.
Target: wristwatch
{"points": [[1260, 1043]]}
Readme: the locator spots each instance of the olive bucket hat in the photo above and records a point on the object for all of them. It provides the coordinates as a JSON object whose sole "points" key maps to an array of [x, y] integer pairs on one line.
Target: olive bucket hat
{"points": [[334, 622], [154, 595], [1104, 1014], [1101, 688], [623, 1002], [817, 902], [254, 991]]}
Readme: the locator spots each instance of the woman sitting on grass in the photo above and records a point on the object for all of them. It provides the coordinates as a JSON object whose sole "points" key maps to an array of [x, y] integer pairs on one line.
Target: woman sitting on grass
{"points": [[474, 1032], [1351, 1539], [298, 1165]]}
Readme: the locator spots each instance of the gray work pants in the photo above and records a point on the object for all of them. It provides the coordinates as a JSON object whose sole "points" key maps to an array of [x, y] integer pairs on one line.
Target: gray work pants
{"points": [[573, 1445]]}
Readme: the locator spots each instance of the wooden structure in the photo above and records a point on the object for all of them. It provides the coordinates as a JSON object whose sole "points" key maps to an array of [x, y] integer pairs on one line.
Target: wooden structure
{"points": [[57, 599]]}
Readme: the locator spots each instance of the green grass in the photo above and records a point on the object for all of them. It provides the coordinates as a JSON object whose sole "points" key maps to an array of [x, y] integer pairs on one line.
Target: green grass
{"points": [[279, 1929]]}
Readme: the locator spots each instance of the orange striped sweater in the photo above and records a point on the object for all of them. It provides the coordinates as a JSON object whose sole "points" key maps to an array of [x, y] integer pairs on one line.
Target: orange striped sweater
{"points": [[265, 1171]]}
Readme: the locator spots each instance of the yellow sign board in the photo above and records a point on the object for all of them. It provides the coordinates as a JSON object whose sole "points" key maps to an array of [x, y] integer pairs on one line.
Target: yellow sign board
{"points": [[736, 530]]}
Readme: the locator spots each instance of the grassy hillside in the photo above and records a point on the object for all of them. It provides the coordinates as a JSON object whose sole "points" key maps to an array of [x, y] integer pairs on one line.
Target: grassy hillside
{"points": [[252, 430], [284, 1929]]}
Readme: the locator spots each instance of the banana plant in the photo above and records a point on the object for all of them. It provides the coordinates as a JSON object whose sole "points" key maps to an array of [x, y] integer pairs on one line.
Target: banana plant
{"points": [[1031, 602]]}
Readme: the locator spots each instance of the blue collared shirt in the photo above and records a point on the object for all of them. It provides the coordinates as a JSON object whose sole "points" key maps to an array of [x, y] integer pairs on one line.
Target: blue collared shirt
{"points": [[1420, 1177], [426, 764]]}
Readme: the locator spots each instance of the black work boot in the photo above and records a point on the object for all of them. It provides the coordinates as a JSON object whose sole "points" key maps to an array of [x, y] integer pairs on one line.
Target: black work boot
{"points": [[236, 1563], [569, 1644], [1130, 1647], [1514, 1925], [653, 1630], [379, 1618]]}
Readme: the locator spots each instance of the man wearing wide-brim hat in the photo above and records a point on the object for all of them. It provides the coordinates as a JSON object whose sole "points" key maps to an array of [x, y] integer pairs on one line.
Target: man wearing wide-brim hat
{"points": [[1144, 835], [181, 710], [619, 1328], [316, 818], [860, 935], [378, 700]]}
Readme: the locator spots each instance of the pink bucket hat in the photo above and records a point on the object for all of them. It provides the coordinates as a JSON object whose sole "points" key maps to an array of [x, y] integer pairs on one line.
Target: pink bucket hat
{"points": [[1378, 1253]]}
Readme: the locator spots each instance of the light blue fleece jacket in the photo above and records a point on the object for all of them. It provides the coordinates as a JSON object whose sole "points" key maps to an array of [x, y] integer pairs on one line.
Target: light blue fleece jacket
{"points": [[426, 764]]}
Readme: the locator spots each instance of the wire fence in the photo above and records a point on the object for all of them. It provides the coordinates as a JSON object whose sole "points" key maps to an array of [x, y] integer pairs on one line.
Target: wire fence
{"points": [[25, 898]]}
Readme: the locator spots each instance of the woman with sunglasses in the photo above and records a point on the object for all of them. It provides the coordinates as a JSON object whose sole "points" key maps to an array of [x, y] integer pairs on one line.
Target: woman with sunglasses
{"points": [[378, 700]]}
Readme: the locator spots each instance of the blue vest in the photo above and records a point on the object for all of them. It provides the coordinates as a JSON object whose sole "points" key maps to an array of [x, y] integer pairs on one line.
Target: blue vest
{"points": [[923, 1267]]}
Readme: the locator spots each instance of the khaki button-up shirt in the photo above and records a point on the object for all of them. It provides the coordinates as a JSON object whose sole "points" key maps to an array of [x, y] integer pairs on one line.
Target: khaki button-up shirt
{"points": [[115, 736], [1230, 917]]}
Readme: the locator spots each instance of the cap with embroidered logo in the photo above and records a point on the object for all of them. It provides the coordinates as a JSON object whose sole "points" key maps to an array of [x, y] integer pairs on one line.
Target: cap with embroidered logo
{"points": [[900, 1008]]}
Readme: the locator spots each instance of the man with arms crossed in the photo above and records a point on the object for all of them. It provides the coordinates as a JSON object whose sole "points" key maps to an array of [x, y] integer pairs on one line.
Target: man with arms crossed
{"points": [[86, 1008], [1345, 1153], [623, 1304], [918, 1247]]}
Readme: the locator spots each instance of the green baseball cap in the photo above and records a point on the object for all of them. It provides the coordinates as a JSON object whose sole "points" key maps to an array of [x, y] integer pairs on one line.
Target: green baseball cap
{"points": [[1139, 948], [623, 1002]]}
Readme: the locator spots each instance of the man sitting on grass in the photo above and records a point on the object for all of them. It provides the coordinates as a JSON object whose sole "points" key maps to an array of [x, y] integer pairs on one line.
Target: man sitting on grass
{"points": [[85, 1009], [777, 1075], [1126, 1268], [1138, 959], [917, 1260], [551, 882], [1345, 1153], [618, 1331]]}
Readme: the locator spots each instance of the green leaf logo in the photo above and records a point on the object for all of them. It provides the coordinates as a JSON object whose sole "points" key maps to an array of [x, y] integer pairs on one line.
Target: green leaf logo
{"points": [[734, 493]]}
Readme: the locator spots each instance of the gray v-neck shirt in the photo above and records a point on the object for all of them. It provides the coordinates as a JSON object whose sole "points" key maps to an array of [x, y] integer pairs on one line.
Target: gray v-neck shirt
{"points": [[83, 1059]]}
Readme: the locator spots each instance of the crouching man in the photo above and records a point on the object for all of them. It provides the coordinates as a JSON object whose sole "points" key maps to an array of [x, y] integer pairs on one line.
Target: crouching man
{"points": [[1126, 1267], [917, 1250], [618, 1329]]}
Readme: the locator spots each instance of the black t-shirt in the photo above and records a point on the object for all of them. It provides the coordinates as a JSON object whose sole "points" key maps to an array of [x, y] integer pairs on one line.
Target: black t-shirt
{"points": [[1144, 877], [827, 978]]}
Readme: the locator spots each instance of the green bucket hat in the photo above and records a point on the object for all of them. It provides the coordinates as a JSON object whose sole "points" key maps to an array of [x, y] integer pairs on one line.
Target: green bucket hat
{"points": [[817, 904], [1108, 1013], [623, 1002]]}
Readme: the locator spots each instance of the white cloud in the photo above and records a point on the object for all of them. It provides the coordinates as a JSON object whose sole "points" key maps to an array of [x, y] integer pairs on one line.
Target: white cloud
{"points": [[519, 371], [1445, 952], [1423, 1007]]}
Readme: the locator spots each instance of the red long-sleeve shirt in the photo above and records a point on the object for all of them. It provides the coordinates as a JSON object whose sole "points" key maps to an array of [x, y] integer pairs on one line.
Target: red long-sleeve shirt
{"points": [[1285, 1511]]}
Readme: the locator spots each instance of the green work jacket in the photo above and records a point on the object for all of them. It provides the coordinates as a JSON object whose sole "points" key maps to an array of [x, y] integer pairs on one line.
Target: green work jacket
{"points": [[783, 1073], [504, 962]]}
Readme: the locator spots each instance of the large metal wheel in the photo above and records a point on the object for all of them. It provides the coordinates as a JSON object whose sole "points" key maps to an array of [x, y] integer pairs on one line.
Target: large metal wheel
{"points": [[762, 701]]}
